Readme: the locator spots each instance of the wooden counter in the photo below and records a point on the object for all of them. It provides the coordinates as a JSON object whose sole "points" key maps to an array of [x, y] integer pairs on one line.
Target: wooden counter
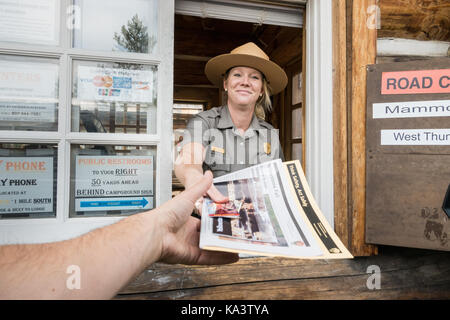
{"points": [[405, 274]]}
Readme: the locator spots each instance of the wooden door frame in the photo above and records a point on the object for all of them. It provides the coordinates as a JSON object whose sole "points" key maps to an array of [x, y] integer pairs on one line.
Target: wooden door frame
{"points": [[286, 109], [354, 46]]}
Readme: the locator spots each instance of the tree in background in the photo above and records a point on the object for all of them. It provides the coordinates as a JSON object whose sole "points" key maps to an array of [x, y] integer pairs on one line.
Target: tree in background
{"points": [[134, 37]]}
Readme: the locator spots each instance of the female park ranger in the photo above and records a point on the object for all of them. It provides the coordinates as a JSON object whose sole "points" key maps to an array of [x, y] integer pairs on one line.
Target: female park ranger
{"points": [[234, 136]]}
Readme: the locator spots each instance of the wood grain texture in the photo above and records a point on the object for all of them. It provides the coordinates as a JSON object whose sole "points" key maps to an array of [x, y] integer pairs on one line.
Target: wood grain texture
{"points": [[415, 19], [405, 274], [406, 184], [363, 54], [340, 147]]}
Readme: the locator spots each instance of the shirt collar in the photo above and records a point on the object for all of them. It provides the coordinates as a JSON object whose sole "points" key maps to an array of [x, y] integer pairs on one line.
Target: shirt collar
{"points": [[226, 122]]}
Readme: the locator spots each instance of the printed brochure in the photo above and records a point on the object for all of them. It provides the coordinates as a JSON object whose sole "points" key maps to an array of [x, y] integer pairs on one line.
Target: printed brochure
{"points": [[270, 212]]}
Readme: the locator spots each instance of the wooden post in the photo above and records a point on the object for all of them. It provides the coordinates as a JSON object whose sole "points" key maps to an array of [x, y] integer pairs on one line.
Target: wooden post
{"points": [[363, 49], [304, 106], [340, 148]]}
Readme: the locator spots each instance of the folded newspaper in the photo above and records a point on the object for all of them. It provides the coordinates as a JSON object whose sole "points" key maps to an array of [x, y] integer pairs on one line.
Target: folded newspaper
{"points": [[270, 212]]}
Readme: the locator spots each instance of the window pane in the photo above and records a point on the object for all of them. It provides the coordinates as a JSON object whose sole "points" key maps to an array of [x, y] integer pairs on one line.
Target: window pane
{"points": [[28, 93], [28, 180], [297, 151], [113, 97], [116, 25], [30, 21], [297, 123], [182, 112], [111, 180], [297, 89]]}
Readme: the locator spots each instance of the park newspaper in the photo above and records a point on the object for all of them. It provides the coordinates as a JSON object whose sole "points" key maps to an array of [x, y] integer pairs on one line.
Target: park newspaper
{"points": [[270, 212]]}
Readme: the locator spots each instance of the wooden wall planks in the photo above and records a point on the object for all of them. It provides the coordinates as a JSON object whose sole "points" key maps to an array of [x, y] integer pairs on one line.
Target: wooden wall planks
{"points": [[415, 19]]}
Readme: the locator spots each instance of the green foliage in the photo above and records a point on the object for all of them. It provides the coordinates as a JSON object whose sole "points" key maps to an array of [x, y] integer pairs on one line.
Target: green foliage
{"points": [[134, 37]]}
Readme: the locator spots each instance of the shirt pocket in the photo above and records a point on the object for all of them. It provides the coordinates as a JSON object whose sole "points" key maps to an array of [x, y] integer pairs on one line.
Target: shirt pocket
{"points": [[216, 162]]}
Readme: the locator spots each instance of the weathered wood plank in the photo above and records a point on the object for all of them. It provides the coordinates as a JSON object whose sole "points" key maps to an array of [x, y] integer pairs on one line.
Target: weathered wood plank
{"points": [[403, 274], [307, 289], [415, 19], [406, 184], [363, 54], [407, 278], [407, 47], [340, 143]]}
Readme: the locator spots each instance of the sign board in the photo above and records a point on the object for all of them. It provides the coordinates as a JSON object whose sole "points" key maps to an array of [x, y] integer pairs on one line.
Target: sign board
{"points": [[115, 84], [30, 21], [113, 183], [28, 91], [408, 154], [26, 185]]}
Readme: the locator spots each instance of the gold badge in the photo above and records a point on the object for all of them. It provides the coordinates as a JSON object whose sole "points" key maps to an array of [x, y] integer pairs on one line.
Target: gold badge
{"points": [[217, 149], [267, 148]]}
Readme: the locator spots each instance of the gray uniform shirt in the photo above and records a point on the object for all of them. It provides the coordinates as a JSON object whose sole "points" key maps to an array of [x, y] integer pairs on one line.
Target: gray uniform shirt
{"points": [[226, 149]]}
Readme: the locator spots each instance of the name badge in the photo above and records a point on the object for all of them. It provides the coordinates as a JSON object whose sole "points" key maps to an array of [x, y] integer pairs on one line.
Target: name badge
{"points": [[217, 149], [267, 148]]}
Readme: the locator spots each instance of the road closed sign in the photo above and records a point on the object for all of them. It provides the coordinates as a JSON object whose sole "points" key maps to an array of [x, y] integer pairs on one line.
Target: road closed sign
{"points": [[407, 142], [416, 81], [113, 183], [26, 185]]}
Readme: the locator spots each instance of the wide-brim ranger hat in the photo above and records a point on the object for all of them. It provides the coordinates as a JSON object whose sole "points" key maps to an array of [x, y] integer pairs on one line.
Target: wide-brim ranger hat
{"points": [[247, 55]]}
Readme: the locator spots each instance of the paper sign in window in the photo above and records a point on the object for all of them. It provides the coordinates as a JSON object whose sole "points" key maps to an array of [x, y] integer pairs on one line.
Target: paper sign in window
{"points": [[115, 84], [26, 185], [113, 183]]}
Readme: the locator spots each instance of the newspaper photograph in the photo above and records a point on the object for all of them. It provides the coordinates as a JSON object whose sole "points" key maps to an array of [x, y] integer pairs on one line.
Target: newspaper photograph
{"points": [[270, 211]]}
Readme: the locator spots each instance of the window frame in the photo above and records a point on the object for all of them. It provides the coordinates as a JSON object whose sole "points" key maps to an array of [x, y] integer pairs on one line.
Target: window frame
{"points": [[37, 230]]}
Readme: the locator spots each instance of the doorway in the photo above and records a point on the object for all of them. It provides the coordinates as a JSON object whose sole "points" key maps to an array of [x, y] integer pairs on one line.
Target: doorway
{"points": [[197, 39]]}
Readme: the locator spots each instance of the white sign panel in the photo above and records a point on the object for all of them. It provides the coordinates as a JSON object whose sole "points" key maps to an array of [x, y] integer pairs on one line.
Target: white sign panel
{"points": [[28, 91], [29, 21], [113, 183], [113, 84], [26, 185], [411, 109], [22, 80], [416, 137], [27, 112]]}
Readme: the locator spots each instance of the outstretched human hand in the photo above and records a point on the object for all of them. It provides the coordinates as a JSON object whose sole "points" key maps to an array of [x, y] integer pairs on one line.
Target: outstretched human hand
{"points": [[180, 231]]}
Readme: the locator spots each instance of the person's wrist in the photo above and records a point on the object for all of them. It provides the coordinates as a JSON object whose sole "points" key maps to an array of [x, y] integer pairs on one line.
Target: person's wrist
{"points": [[154, 240]]}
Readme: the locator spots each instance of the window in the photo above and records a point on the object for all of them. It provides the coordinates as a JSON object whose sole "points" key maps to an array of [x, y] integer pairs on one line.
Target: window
{"points": [[113, 97], [297, 123], [111, 180], [182, 112], [85, 114], [28, 180], [28, 93], [30, 21], [116, 25]]}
